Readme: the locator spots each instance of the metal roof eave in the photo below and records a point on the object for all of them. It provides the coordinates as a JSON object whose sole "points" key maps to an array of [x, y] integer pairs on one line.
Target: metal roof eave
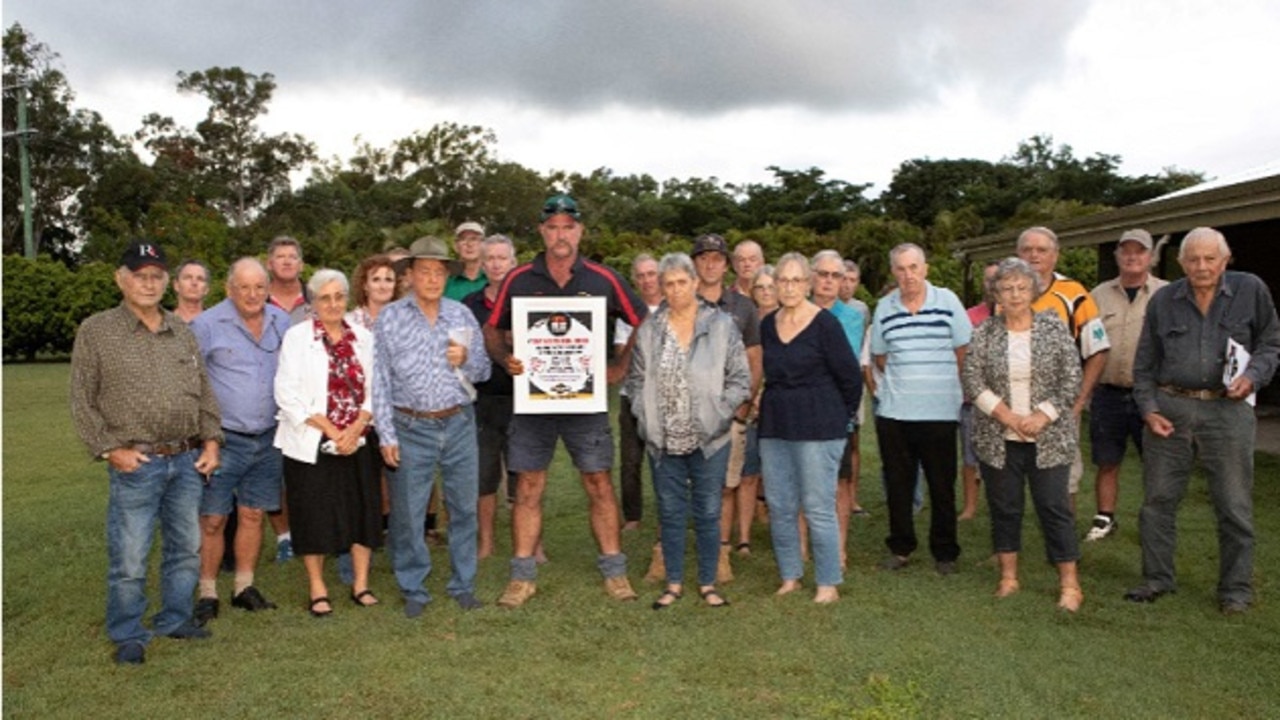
{"points": [[1243, 202]]}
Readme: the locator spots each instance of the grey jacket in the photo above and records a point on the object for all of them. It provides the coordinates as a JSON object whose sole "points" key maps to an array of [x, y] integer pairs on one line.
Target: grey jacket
{"points": [[720, 380], [1055, 378]]}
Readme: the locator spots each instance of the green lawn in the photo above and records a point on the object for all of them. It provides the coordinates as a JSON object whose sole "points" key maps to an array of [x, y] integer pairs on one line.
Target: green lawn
{"points": [[910, 644]]}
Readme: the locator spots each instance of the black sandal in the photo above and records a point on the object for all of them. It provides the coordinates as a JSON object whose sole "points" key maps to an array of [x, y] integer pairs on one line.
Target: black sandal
{"points": [[659, 605], [707, 595], [358, 598], [744, 548], [320, 613]]}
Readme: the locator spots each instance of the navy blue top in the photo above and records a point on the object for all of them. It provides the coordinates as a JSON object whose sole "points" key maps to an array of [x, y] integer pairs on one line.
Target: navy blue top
{"points": [[812, 385]]}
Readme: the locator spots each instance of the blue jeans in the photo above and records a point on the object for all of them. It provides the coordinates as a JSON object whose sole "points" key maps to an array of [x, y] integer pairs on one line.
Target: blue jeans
{"points": [[685, 483], [166, 490], [1222, 432], [802, 475], [425, 445]]}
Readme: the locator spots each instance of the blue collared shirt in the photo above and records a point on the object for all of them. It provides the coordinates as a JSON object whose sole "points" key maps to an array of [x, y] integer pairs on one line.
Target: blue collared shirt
{"points": [[1181, 346], [411, 370], [242, 369]]}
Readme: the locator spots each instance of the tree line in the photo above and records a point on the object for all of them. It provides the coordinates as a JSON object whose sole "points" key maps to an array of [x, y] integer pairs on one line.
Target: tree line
{"points": [[223, 188]]}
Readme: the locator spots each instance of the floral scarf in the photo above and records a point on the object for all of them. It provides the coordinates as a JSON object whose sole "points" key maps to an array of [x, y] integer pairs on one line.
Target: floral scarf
{"points": [[346, 376]]}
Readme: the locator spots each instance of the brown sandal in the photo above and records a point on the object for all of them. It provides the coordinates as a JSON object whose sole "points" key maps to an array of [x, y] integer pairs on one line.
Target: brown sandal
{"points": [[1071, 599]]}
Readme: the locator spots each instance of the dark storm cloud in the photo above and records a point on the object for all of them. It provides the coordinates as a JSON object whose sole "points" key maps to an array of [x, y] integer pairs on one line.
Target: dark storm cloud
{"points": [[691, 57]]}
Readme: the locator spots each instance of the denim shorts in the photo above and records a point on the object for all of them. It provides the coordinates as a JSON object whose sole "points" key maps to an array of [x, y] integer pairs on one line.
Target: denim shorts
{"points": [[1113, 420], [744, 454], [250, 475], [531, 442]]}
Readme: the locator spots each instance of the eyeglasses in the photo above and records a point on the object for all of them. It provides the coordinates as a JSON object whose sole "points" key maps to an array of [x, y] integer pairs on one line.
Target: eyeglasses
{"points": [[270, 347], [770, 288], [829, 274], [1013, 289], [791, 282]]}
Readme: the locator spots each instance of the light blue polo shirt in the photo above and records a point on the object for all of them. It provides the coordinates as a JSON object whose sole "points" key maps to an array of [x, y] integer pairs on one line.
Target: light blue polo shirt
{"points": [[921, 379]]}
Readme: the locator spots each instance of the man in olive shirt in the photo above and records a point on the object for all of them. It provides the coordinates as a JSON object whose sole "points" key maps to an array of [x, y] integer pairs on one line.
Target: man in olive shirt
{"points": [[1209, 342], [140, 400]]}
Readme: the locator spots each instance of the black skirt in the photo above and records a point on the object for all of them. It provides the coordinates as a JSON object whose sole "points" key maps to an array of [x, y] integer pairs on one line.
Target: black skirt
{"points": [[335, 503]]}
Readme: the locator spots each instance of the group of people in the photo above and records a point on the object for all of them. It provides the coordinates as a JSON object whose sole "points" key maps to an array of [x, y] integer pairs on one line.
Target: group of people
{"points": [[284, 403]]}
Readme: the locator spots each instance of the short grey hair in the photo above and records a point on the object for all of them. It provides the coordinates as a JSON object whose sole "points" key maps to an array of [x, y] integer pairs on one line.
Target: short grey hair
{"points": [[852, 265], [498, 239], [1014, 267], [795, 258], [323, 277], [1037, 230], [905, 248], [642, 257], [676, 261], [827, 255], [246, 262], [1204, 233], [765, 271], [280, 241]]}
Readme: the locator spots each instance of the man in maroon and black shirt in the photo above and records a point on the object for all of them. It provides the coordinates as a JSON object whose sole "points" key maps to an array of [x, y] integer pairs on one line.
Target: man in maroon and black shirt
{"points": [[560, 270]]}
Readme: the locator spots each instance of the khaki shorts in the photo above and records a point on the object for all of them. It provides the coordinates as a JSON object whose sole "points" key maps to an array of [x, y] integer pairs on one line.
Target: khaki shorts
{"points": [[737, 455]]}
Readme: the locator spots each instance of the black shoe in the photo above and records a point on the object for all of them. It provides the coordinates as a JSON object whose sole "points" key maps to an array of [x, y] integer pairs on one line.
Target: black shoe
{"points": [[893, 562], [467, 601], [189, 631], [1233, 607], [206, 610], [945, 567], [130, 653], [250, 599], [1144, 594]]}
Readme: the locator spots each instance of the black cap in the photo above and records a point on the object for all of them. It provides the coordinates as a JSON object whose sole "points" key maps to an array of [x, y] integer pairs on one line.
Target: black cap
{"points": [[142, 253], [710, 243]]}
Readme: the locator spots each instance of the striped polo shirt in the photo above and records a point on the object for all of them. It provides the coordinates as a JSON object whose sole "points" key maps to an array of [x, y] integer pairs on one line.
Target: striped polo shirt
{"points": [[921, 378]]}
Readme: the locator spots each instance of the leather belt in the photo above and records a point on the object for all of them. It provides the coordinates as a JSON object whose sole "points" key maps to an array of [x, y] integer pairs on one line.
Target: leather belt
{"points": [[430, 414], [175, 447], [1194, 394]]}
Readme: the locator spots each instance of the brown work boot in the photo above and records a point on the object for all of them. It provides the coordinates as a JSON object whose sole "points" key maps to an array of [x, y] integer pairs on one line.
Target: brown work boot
{"points": [[517, 593], [657, 567], [619, 588], [724, 571]]}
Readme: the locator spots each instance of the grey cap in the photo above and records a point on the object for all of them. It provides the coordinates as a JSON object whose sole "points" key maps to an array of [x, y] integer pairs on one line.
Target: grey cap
{"points": [[1138, 235]]}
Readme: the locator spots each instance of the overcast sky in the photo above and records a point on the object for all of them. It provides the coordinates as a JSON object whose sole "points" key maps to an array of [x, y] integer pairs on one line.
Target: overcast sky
{"points": [[710, 88]]}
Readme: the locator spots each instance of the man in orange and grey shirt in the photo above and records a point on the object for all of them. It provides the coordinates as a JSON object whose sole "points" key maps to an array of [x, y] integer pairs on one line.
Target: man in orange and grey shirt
{"points": [[1038, 246]]}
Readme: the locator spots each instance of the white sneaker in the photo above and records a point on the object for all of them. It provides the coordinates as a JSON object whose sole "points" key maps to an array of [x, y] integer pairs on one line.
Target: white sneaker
{"points": [[1102, 527]]}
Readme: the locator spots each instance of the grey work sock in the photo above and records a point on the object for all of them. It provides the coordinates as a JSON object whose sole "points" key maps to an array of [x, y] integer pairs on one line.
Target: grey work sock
{"points": [[612, 565], [524, 568]]}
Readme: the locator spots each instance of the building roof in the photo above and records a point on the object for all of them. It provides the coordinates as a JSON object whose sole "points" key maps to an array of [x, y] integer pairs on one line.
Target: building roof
{"points": [[1247, 197]]}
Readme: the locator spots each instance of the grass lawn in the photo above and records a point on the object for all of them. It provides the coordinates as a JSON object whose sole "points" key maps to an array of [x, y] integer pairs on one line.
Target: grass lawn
{"points": [[908, 644]]}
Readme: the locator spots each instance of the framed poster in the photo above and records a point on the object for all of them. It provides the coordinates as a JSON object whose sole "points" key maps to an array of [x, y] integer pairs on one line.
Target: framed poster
{"points": [[562, 343]]}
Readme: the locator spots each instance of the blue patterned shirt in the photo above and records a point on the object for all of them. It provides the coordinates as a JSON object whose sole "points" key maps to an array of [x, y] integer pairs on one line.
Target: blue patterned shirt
{"points": [[411, 370]]}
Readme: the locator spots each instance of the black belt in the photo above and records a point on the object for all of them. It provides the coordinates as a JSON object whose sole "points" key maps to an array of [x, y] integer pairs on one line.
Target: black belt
{"points": [[175, 447], [1194, 393], [229, 431], [431, 414]]}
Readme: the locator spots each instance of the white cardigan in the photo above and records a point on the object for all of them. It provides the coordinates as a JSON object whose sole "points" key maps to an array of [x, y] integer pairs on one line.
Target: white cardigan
{"points": [[302, 387]]}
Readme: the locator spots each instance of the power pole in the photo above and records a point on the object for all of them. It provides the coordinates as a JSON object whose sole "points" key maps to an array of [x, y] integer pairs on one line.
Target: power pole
{"points": [[24, 163]]}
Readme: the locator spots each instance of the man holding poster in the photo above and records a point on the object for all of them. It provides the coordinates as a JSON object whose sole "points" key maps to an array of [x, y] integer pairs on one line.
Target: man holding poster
{"points": [[561, 272]]}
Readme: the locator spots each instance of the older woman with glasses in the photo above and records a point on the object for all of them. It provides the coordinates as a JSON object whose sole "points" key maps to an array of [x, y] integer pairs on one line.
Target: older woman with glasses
{"points": [[812, 387], [1022, 373], [324, 390], [688, 374]]}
